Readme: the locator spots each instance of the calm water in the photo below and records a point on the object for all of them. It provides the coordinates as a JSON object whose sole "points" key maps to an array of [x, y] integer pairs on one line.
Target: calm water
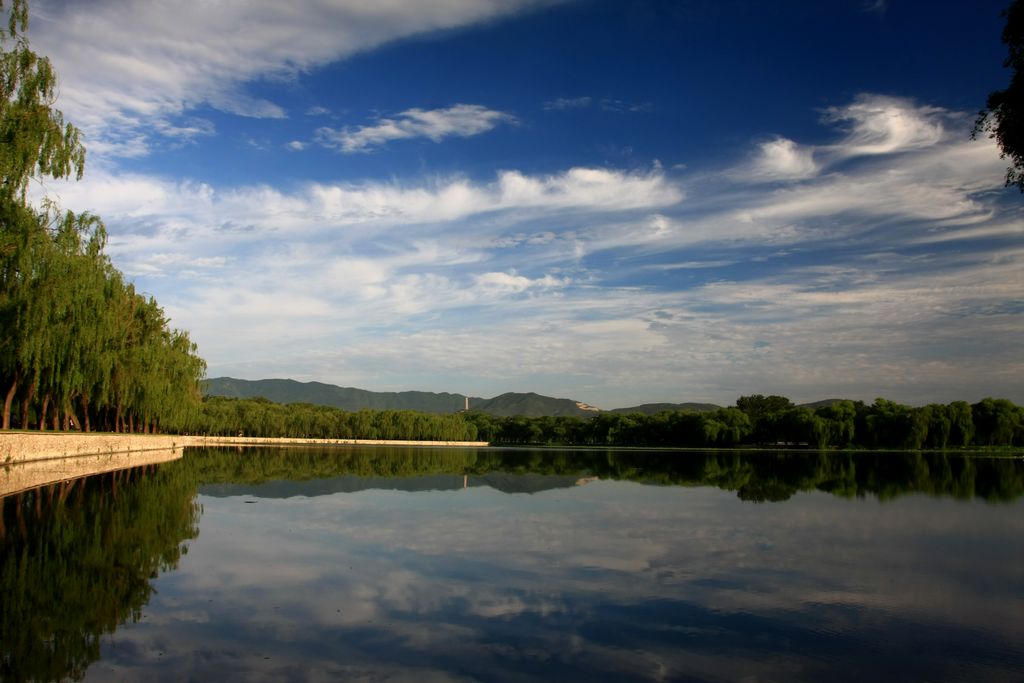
{"points": [[492, 565]]}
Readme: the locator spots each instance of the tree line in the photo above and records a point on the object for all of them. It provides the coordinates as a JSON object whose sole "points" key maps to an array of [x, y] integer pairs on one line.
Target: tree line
{"points": [[755, 420], [775, 421], [220, 416], [79, 347]]}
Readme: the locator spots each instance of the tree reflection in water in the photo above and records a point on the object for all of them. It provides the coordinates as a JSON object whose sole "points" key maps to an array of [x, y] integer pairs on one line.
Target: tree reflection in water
{"points": [[78, 559], [759, 476]]}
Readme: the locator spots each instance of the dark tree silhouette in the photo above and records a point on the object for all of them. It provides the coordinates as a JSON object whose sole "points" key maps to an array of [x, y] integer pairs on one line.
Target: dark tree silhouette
{"points": [[1003, 115]]}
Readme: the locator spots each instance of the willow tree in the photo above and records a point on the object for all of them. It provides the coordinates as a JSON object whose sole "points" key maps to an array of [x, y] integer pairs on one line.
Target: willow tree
{"points": [[35, 142], [34, 139], [76, 341]]}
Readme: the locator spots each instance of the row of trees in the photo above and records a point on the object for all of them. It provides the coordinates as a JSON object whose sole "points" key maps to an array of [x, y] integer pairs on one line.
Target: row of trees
{"points": [[775, 421], [754, 421], [79, 347], [259, 417]]}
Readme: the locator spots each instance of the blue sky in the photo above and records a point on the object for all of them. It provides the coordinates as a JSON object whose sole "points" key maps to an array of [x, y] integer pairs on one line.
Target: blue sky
{"points": [[618, 202]]}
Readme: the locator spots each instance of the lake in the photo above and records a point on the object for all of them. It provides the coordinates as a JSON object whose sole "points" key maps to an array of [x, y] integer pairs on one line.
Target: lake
{"points": [[394, 564]]}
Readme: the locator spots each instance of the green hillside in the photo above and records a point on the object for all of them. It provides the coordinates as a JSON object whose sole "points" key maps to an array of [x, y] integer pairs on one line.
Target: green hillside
{"points": [[346, 398], [532, 405]]}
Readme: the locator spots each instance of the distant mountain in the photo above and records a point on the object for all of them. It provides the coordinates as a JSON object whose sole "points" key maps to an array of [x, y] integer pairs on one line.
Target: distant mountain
{"points": [[655, 408], [349, 398], [346, 398], [532, 405]]}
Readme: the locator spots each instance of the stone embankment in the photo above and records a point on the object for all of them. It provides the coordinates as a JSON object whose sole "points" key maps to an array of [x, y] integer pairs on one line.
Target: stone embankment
{"points": [[18, 447], [259, 441], [31, 474]]}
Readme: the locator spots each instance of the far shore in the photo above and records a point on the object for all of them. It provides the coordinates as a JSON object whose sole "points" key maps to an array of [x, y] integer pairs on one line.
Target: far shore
{"points": [[25, 446]]}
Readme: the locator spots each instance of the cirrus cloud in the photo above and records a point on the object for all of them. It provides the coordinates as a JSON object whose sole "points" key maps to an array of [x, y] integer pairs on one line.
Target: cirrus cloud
{"points": [[885, 125], [460, 120], [168, 62]]}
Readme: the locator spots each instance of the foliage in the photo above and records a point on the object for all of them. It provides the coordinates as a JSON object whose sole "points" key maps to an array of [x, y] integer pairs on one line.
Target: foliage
{"points": [[34, 139], [1003, 115], [78, 345], [262, 418], [776, 422], [997, 422], [757, 406]]}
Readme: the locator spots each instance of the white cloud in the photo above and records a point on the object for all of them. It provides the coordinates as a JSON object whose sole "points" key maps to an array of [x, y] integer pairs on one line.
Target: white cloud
{"points": [[861, 332], [784, 159], [874, 126], [260, 210], [510, 282], [296, 145], [894, 166], [168, 61], [189, 129], [460, 120], [599, 188], [893, 193], [563, 103], [886, 125]]}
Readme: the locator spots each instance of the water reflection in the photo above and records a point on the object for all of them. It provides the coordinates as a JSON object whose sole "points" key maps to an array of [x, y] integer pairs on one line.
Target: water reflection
{"points": [[754, 475], [430, 564], [78, 560]]}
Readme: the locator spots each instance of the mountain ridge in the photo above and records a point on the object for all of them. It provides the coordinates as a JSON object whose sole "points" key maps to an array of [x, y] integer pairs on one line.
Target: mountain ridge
{"points": [[346, 398], [508, 404]]}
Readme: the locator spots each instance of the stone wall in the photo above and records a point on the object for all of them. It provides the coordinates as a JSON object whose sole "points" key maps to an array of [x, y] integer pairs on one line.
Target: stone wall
{"points": [[30, 474], [16, 447]]}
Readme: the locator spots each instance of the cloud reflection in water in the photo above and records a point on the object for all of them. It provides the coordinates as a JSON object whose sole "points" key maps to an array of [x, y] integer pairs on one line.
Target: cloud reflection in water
{"points": [[608, 581]]}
